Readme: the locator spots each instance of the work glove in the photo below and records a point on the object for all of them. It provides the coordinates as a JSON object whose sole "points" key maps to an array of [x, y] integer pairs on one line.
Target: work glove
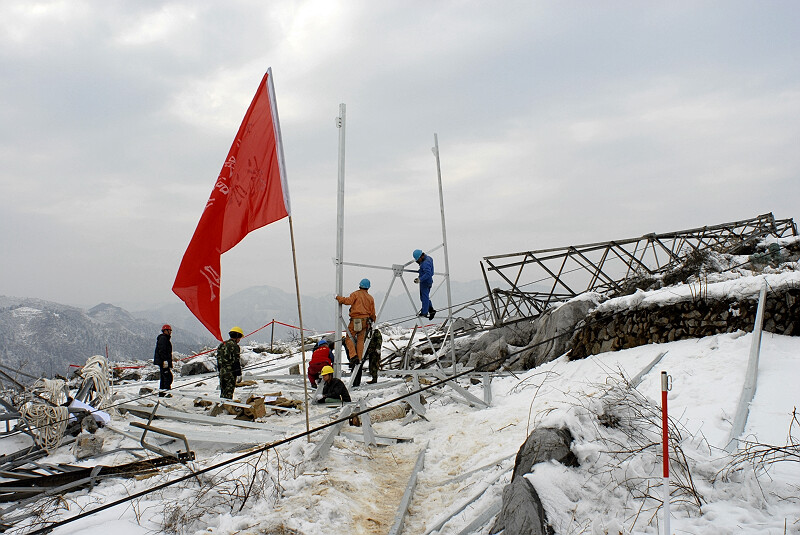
{"points": [[164, 365], [416, 281]]}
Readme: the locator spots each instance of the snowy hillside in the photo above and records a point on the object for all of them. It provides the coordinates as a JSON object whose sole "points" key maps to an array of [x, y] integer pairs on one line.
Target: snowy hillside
{"points": [[45, 338], [469, 451]]}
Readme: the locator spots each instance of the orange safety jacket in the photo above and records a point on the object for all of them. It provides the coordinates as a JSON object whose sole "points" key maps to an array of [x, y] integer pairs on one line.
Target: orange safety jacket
{"points": [[362, 305]]}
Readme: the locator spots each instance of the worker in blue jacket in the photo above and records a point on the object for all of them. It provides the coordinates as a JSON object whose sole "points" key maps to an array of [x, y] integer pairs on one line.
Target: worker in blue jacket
{"points": [[425, 281]]}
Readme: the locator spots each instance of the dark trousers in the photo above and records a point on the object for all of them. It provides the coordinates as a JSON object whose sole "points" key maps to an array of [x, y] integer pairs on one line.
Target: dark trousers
{"points": [[165, 378], [424, 297]]}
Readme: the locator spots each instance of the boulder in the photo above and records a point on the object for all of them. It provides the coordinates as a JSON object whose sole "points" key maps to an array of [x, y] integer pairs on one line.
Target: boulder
{"points": [[491, 358], [542, 445], [522, 512], [198, 366], [553, 331]]}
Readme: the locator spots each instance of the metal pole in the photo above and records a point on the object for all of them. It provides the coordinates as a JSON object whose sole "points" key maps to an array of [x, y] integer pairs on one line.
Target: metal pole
{"points": [[337, 352], [446, 256], [750, 378], [665, 446], [302, 334], [272, 336]]}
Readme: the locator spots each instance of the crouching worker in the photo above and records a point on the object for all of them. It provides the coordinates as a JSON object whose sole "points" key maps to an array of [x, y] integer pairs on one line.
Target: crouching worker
{"points": [[334, 389], [320, 358], [228, 362]]}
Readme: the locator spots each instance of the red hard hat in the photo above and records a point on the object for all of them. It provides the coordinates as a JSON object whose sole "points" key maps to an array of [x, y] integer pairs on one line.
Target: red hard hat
{"points": [[165, 327]]}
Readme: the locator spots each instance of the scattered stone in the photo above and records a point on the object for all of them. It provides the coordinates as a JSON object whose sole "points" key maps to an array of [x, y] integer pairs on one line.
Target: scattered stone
{"points": [[89, 424], [88, 445]]}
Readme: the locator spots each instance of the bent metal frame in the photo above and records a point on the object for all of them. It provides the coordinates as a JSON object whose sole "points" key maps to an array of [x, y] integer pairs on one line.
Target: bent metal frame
{"points": [[533, 281]]}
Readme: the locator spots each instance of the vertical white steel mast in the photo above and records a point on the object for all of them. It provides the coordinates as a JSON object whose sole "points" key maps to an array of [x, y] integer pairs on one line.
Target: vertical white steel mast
{"points": [[340, 124], [446, 256]]}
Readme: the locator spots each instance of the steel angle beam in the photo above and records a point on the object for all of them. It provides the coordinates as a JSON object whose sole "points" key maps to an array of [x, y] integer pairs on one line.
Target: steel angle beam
{"points": [[170, 414], [188, 455], [402, 509], [366, 425], [644, 371], [482, 519], [325, 444], [378, 440], [415, 401], [486, 377], [473, 400], [465, 475], [484, 486]]}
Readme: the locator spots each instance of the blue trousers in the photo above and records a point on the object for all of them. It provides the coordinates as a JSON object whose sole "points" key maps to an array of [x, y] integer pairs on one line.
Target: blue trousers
{"points": [[424, 297]]}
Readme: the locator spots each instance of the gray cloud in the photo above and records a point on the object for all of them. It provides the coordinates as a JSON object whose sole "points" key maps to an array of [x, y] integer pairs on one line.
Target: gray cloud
{"points": [[558, 124]]}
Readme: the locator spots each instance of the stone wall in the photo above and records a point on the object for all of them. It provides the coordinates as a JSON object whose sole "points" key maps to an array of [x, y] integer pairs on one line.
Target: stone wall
{"points": [[613, 330]]}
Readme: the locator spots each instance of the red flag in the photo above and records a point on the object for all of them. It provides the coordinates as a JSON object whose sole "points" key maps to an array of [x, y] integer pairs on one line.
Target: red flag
{"points": [[251, 192]]}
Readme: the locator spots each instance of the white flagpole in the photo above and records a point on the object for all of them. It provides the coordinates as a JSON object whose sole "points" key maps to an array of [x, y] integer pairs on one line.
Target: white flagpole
{"points": [[285, 188], [302, 334]]}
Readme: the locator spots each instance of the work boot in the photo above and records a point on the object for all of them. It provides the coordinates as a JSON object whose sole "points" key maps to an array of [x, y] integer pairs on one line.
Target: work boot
{"points": [[373, 380], [421, 315], [432, 313]]}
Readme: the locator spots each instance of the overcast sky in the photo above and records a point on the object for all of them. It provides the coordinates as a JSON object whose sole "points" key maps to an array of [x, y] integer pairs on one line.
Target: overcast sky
{"points": [[116, 117]]}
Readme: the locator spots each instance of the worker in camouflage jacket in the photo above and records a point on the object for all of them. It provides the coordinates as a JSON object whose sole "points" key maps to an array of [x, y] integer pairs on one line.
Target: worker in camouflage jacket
{"points": [[374, 354], [228, 363]]}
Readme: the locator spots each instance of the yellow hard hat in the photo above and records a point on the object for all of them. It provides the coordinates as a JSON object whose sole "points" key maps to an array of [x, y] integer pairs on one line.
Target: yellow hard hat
{"points": [[326, 370], [236, 330]]}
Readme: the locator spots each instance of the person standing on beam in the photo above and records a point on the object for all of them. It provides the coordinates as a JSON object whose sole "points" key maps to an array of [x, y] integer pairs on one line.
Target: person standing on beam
{"points": [[425, 281]]}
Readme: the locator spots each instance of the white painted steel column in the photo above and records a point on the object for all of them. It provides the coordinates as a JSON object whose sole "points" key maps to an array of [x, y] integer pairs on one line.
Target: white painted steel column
{"points": [[337, 354], [446, 256], [751, 377]]}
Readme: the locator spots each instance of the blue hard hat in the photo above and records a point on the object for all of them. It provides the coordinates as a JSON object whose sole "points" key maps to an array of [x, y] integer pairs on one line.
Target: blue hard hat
{"points": [[321, 343], [364, 284], [417, 253]]}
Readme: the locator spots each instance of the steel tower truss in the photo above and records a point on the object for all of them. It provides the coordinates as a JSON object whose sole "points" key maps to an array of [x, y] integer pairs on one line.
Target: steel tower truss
{"points": [[536, 280]]}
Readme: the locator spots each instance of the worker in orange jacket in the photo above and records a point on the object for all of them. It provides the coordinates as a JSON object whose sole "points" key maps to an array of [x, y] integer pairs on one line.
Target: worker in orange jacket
{"points": [[362, 316]]}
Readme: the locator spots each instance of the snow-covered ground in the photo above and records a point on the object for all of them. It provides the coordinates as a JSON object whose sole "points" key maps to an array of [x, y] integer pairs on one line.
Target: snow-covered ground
{"points": [[356, 489]]}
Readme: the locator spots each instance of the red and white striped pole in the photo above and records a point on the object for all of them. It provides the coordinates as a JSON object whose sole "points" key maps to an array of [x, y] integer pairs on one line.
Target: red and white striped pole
{"points": [[665, 380]]}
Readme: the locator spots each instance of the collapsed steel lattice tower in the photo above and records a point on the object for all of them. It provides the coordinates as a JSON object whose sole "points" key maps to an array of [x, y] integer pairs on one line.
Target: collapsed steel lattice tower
{"points": [[536, 280]]}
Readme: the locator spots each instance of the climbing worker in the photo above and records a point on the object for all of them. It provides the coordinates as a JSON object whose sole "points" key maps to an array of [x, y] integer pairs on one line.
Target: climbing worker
{"points": [[334, 389], [362, 315], [425, 281], [320, 358], [163, 359], [228, 363]]}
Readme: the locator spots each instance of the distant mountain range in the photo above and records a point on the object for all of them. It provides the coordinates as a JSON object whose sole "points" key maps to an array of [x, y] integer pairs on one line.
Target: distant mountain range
{"points": [[259, 305], [45, 338]]}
